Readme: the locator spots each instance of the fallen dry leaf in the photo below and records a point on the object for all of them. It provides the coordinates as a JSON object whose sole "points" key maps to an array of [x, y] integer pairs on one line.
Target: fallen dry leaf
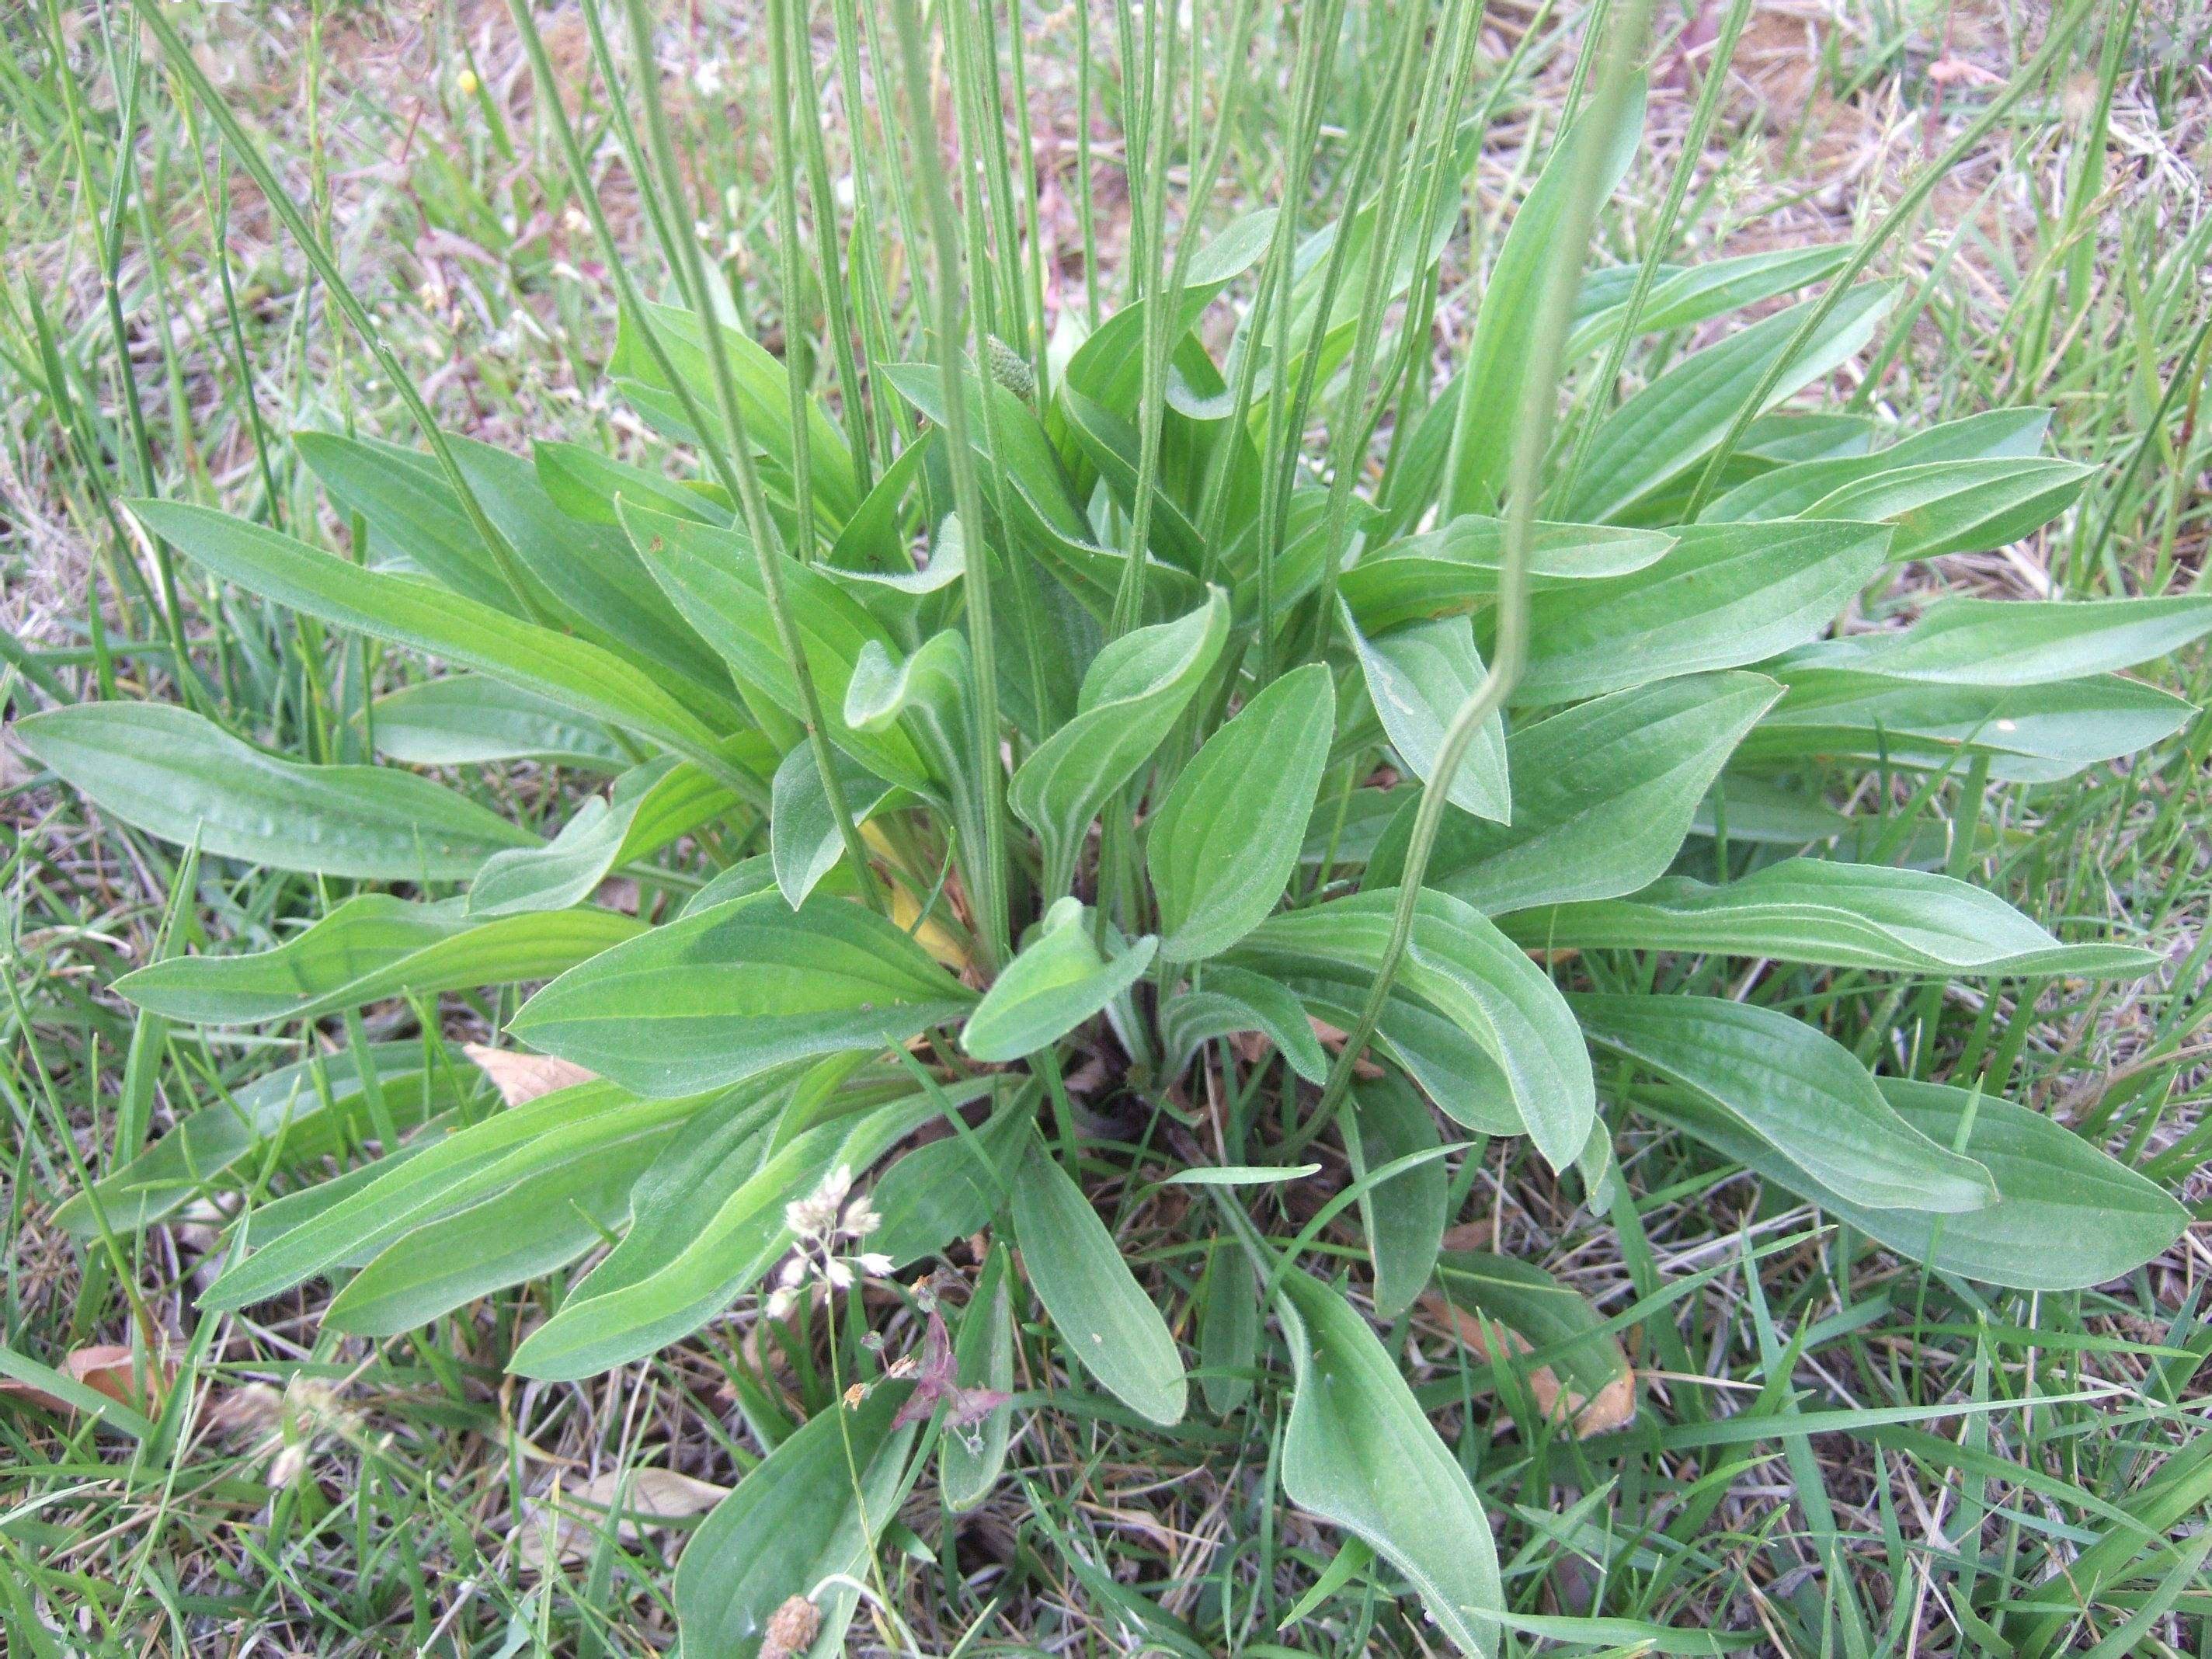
{"points": [[105, 1368], [521, 1078], [1332, 1039], [567, 1530], [1612, 1407], [1471, 1236]]}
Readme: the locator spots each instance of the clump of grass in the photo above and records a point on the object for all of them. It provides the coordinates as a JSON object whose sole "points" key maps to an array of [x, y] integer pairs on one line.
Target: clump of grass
{"points": [[1961, 1463]]}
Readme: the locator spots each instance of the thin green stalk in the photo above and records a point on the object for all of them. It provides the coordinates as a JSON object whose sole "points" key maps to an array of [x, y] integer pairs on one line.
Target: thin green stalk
{"points": [[990, 905], [1129, 594], [2183, 380], [753, 498], [1032, 225], [980, 143], [1352, 433], [1532, 435], [1663, 236], [1083, 96], [1281, 470], [1410, 371], [186, 68], [1280, 252], [633, 149], [1272, 288], [836, 319], [990, 105], [792, 274], [718, 458], [867, 238], [2055, 45]]}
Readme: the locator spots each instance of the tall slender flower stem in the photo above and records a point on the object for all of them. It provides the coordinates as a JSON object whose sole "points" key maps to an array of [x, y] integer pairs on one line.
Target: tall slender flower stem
{"points": [[990, 904], [1532, 435], [766, 548]]}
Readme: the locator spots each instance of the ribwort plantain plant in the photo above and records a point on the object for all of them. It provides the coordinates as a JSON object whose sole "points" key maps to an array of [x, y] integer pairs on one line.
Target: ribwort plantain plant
{"points": [[1041, 768]]}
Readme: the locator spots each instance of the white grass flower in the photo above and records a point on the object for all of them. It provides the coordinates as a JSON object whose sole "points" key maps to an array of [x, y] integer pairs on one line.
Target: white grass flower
{"points": [[815, 1216]]}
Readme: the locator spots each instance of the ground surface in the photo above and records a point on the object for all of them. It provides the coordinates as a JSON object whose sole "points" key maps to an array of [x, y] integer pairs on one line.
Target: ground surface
{"points": [[313, 1495]]}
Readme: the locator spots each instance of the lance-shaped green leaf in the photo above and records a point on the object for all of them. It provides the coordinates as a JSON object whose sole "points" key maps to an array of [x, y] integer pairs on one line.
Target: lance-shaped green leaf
{"points": [[1221, 847], [1232, 1000], [969, 1459], [713, 1155], [1603, 793], [1461, 966], [177, 775], [2032, 734], [293, 1115], [805, 842], [1107, 1324], [729, 991], [1403, 1216], [473, 719], [1989, 642], [1674, 423], [926, 697], [461, 631], [874, 538], [1026, 460], [763, 389], [1454, 567], [2067, 1215], [1686, 295], [1452, 1067], [539, 1220], [1114, 447], [586, 484], [720, 1243], [415, 520], [601, 589], [798, 1525], [1786, 492], [1108, 366], [1795, 1088], [1833, 915], [1583, 1359], [567, 1128], [715, 579], [370, 948], [1960, 507], [952, 1187], [649, 806], [1358, 1453], [898, 599], [1724, 595], [1417, 677], [1502, 354], [1131, 698], [1057, 981], [1228, 1310]]}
